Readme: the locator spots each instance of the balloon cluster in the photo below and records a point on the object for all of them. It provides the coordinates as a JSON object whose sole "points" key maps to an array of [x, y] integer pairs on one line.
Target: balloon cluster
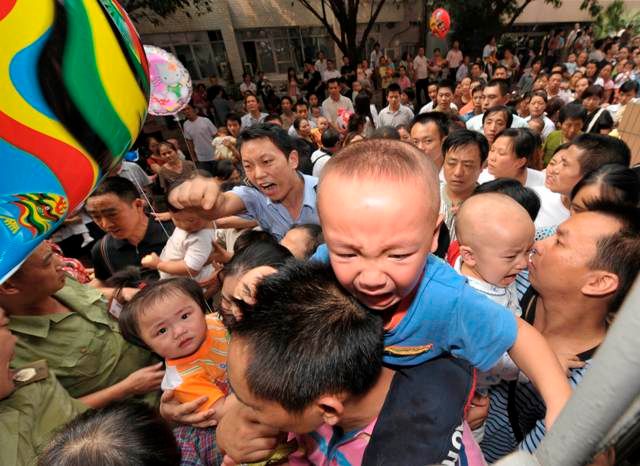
{"points": [[440, 23], [74, 82]]}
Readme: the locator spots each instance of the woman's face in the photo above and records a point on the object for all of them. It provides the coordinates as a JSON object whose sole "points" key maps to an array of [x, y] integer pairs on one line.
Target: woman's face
{"points": [[305, 128], [493, 124], [591, 103], [582, 58], [581, 85], [503, 161], [537, 105], [605, 72], [313, 100], [168, 153], [465, 86], [152, 145]]}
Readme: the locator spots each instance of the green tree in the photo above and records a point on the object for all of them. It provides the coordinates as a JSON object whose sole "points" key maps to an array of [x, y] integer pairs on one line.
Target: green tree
{"points": [[474, 22], [615, 17], [154, 10]]}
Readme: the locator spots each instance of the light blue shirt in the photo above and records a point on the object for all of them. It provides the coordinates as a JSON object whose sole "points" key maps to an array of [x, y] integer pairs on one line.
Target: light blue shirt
{"points": [[447, 316], [273, 216]]}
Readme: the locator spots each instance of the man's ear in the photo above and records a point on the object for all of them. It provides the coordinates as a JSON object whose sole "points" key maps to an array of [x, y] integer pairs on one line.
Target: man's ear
{"points": [[9, 288], [139, 203], [294, 159], [332, 408], [600, 283], [468, 256]]}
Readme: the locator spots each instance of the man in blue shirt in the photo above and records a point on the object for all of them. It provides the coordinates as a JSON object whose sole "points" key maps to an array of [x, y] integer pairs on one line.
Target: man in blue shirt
{"points": [[279, 196]]}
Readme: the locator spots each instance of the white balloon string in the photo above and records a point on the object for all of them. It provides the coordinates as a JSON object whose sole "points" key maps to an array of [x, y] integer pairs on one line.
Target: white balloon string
{"points": [[155, 214], [184, 138]]}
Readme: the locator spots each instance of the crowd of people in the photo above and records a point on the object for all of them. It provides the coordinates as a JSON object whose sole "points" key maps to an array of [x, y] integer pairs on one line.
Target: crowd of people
{"points": [[331, 283]]}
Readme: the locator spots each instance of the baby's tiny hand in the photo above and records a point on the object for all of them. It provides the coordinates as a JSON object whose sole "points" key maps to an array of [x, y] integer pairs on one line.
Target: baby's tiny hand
{"points": [[150, 261], [569, 361]]}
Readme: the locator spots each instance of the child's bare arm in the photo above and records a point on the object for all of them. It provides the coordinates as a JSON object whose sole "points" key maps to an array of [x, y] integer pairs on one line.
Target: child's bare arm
{"points": [[153, 261], [533, 355]]}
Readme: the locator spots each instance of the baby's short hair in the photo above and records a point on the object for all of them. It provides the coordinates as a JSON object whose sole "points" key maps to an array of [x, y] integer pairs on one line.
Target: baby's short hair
{"points": [[385, 159]]}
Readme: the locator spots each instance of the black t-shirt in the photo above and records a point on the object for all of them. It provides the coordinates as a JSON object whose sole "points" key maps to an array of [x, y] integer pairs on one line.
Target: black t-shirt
{"points": [[421, 419], [315, 79], [111, 255]]}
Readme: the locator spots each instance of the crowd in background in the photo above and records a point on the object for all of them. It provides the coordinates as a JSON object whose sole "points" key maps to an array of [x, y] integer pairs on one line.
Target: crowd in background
{"points": [[447, 211]]}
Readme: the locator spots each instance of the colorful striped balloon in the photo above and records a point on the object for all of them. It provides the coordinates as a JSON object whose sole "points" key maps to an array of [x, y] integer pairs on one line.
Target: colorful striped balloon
{"points": [[74, 91]]}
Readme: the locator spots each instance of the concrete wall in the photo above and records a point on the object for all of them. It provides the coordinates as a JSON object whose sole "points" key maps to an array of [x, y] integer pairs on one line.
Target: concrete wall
{"points": [[540, 12]]}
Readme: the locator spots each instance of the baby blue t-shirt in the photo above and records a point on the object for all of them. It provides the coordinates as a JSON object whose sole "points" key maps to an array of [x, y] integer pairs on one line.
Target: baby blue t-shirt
{"points": [[447, 316]]}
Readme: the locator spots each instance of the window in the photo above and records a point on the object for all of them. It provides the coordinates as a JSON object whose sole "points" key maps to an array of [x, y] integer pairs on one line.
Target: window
{"points": [[201, 52], [275, 50]]}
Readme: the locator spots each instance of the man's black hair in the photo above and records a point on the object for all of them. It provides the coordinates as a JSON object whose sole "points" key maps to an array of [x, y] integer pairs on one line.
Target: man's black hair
{"points": [[330, 138], [121, 187], [463, 138], [286, 97], [502, 84], [233, 117], [307, 337], [332, 81], [616, 183], [301, 103], [385, 132], [524, 142], [572, 112], [122, 434], [594, 90], [499, 109], [597, 150], [629, 86], [524, 196], [271, 118], [618, 253], [441, 120], [446, 84], [394, 87], [274, 133]]}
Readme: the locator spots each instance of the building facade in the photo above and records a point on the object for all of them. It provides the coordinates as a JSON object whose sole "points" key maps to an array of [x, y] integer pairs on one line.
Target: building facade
{"points": [[239, 36]]}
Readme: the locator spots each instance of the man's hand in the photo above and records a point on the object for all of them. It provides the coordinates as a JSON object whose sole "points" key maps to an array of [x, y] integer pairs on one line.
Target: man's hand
{"points": [[145, 380], [198, 192], [245, 290], [241, 437], [186, 413], [478, 411]]}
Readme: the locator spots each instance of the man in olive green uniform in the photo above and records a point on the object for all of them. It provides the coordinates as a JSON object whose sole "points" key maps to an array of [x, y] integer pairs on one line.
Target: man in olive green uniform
{"points": [[57, 319], [29, 414]]}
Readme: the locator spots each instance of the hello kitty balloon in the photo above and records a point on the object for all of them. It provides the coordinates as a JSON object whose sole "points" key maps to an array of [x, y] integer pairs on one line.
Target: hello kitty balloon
{"points": [[170, 82]]}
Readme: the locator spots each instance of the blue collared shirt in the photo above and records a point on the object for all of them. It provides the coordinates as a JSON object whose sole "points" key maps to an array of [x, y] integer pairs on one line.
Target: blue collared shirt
{"points": [[273, 216]]}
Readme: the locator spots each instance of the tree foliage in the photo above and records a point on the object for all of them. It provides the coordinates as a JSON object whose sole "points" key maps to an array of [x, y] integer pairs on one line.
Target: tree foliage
{"points": [[154, 10], [615, 17]]}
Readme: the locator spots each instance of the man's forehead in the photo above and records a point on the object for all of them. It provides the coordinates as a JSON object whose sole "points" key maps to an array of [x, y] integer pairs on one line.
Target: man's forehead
{"points": [[588, 227]]}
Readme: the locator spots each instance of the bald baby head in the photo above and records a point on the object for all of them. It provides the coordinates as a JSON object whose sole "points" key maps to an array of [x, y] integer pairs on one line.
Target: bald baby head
{"points": [[495, 235]]}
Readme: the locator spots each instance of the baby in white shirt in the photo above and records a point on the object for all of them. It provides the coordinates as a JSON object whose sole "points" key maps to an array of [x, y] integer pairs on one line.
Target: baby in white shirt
{"points": [[496, 235], [188, 249]]}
